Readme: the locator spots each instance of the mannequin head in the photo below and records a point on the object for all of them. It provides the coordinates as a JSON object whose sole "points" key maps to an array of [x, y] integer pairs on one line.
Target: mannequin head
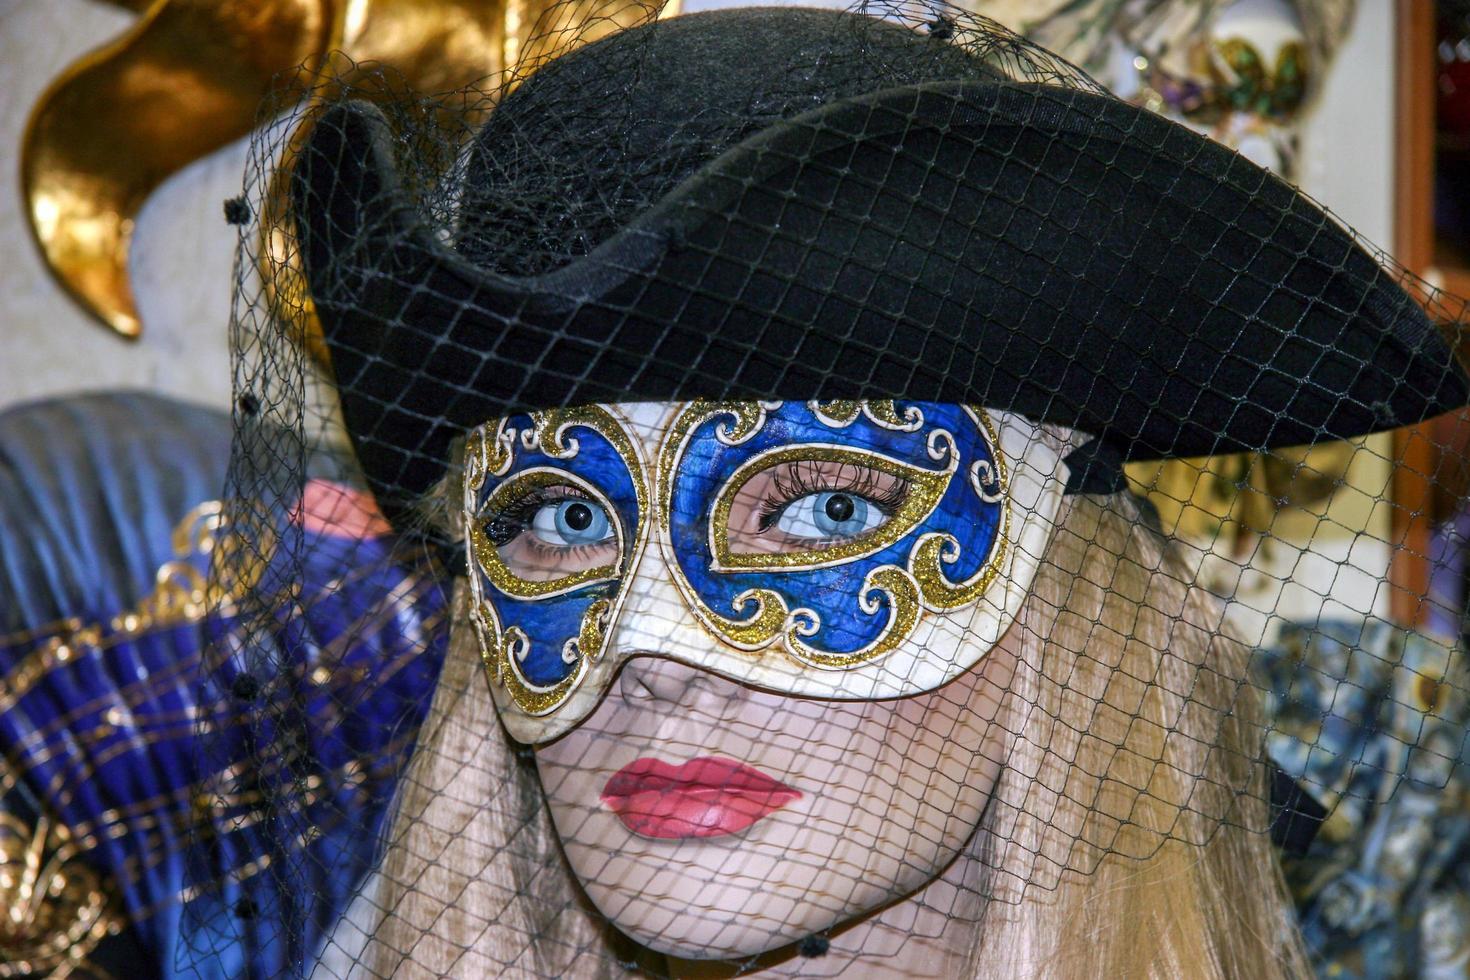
{"points": [[721, 789], [1107, 744], [783, 667]]}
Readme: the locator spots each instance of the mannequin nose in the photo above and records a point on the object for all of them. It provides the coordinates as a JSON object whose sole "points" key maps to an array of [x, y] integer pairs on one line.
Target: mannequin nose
{"points": [[646, 679]]}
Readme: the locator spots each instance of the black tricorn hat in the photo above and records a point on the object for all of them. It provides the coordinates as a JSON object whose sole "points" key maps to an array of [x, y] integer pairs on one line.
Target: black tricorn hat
{"points": [[787, 203]]}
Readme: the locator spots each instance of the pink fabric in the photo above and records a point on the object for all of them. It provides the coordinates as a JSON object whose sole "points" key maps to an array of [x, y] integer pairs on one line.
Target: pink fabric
{"points": [[328, 507]]}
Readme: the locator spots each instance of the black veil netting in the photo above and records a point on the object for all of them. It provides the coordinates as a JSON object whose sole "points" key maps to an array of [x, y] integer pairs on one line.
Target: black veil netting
{"points": [[851, 221]]}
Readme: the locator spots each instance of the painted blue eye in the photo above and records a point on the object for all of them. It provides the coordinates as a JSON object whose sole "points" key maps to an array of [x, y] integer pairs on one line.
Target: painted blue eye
{"points": [[570, 523], [829, 514]]}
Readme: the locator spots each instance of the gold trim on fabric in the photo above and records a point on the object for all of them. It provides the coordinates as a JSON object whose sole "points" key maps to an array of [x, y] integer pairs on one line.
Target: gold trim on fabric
{"points": [[56, 908], [181, 594]]}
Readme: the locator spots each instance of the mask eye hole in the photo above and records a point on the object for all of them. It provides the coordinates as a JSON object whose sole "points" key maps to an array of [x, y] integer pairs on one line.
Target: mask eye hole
{"points": [[829, 515], [546, 528], [571, 523], [810, 504]]}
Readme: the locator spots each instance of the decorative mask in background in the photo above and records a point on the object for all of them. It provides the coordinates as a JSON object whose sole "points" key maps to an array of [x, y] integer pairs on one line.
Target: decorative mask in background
{"points": [[1245, 73], [1242, 78]]}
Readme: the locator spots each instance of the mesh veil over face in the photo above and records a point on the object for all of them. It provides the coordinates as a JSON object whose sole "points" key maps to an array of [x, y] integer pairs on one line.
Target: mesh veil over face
{"points": [[680, 509]]}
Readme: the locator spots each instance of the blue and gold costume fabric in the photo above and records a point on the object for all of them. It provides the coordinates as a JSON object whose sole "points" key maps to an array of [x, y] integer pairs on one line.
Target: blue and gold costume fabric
{"points": [[1372, 720], [120, 843]]}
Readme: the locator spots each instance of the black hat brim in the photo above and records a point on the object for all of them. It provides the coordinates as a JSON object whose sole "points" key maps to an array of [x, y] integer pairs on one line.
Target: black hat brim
{"points": [[1047, 251]]}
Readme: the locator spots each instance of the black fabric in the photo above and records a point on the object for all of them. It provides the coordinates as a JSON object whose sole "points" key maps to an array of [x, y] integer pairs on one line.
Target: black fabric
{"points": [[660, 114], [1027, 247], [1296, 816]]}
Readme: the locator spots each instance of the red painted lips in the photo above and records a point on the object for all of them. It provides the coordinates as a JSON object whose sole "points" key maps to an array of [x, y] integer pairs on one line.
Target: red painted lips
{"points": [[704, 797]]}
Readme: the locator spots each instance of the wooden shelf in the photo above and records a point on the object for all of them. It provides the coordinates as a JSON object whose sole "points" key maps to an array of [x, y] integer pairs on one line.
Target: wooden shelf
{"points": [[1451, 278], [1417, 456]]}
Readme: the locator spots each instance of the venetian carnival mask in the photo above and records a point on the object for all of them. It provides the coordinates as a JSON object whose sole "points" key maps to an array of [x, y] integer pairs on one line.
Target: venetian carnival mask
{"points": [[1243, 79], [851, 550]]}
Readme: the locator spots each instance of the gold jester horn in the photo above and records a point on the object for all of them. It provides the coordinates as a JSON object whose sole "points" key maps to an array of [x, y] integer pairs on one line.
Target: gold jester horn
{"points": [[183, 82], [187, 79]]}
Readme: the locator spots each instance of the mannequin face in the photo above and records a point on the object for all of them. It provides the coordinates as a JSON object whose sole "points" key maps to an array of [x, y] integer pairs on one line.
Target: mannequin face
{"points": [[709, 819], [722, 788]]}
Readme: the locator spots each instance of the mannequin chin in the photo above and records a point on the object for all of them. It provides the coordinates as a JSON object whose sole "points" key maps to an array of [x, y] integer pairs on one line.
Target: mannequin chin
{"points": [[882, 796]]}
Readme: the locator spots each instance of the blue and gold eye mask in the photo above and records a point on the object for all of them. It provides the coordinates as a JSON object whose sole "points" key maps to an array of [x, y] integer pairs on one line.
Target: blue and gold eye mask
{"points": [[852, 550]]}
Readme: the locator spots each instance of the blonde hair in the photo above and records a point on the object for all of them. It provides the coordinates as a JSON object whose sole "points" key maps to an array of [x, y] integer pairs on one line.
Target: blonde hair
{"points": [[1125, 836], [1135, 785]]}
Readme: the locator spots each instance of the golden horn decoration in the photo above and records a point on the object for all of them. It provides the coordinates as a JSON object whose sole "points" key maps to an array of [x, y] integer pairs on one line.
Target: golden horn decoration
{"points": [[183, 82], [187, 79]]}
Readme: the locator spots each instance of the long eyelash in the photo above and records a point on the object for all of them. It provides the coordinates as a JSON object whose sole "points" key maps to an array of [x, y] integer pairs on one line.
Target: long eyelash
{"points": [[799, 479], [516, 514]]}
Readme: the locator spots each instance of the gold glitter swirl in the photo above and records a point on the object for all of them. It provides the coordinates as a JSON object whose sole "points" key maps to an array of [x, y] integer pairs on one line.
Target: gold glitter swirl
{"points": [[53, 907], [549, 430], [487, 630], [486, 455], [502, 649], [918, 586], [533, 700], [934, 551], [755, 632], [904, 605], [881, 412], [748, 418], [550, 434], [593, 634], [926, 489], [472, 472], [837, 414], [487, 555], [768, 620]]}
